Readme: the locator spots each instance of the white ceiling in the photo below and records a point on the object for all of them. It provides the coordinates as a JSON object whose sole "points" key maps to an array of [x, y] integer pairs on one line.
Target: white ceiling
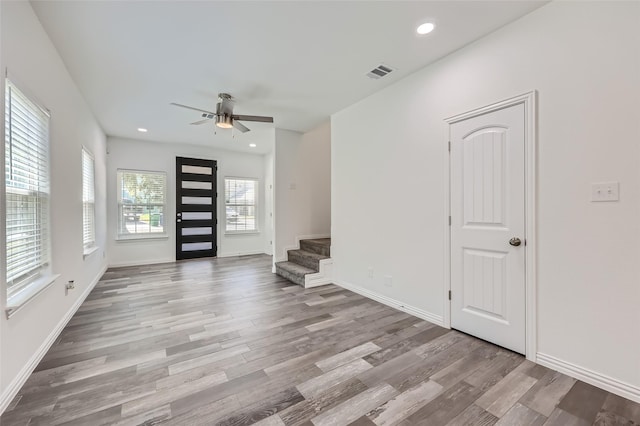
{"points": [[296, 61]]}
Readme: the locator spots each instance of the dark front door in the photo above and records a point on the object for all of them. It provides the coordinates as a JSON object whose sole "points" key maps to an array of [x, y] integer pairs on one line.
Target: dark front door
{"points": [[195, 208]]}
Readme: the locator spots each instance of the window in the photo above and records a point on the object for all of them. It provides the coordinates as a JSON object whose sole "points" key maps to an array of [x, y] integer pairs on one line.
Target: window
{"points": [[141, 203], [240, 205], [88, 201], [27, 189]]}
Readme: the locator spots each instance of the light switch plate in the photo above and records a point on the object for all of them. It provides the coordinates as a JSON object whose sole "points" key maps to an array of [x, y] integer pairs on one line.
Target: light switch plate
{"points": [[605, 191]]}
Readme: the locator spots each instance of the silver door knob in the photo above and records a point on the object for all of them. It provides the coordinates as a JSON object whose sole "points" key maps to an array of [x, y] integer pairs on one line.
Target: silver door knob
{"points": [[179, 220], [515, 241]]}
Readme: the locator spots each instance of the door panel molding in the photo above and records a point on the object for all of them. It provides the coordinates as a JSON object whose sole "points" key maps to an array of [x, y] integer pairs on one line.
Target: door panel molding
{"points": [[529, 101]]}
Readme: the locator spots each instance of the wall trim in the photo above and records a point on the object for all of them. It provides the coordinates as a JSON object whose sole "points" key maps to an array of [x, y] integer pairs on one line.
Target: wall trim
{"points": [[140, 263], [623, 389], [244, 253], [14, 387], [323, 277], [529, 100], [159, 261], [396, 304]]}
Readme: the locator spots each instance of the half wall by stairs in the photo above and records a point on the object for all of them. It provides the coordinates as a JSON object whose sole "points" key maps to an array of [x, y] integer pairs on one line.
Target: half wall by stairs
{"points": [[309, 265]]}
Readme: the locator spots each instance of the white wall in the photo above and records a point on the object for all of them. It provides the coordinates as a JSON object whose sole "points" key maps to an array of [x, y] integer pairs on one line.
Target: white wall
{"points": [[268, 202], [156, 156], [34, 65], [302, 186], [317, 152], [5, 395], [388, 177]]}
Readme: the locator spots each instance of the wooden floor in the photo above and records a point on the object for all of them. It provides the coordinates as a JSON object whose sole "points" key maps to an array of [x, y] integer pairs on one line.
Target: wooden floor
{"points": [[227, 342]]}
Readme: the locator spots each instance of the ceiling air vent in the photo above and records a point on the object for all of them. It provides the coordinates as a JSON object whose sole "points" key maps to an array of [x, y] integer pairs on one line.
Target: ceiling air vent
{"points": [[379, 71]]}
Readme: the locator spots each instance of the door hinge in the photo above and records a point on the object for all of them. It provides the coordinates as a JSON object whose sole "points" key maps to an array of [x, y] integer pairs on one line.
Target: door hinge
{"points": [[449, 146], [449, 220], [449, 294]]}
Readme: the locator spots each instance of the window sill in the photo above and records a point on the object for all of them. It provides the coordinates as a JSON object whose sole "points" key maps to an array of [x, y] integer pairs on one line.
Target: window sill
{"points": [[241, 232], [140, 238], [17, 301], [88, 251]]}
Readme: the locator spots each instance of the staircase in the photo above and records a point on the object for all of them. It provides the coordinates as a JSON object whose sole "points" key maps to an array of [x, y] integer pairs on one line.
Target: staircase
{"points": [[309, 265]]}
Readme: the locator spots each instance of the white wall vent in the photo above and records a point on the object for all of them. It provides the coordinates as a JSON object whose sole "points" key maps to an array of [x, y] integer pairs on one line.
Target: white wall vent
{"points": [[379, 71]]}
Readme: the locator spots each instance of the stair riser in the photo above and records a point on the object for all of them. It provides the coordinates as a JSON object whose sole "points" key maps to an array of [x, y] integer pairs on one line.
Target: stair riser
{"points": [[315, 248], [307, 262], [296, 279]]}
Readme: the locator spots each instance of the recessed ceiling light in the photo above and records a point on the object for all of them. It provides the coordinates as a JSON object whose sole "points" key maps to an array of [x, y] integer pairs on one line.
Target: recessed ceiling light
{"points": [[425, 28], [142, 130], [252, 145]]}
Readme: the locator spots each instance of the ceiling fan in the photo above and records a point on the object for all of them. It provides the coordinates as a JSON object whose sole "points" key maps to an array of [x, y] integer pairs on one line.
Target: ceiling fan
{"points": [[224, 116]]}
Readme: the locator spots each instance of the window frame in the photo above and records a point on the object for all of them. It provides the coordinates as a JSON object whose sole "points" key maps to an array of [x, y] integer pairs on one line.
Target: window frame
{"points": [[119, 204], [256, 229], [90, 246], [22, 288]]}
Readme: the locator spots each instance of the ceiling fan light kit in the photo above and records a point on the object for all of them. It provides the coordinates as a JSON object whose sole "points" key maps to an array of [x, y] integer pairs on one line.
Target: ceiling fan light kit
{"points": [[224, 116], [224, 121]]}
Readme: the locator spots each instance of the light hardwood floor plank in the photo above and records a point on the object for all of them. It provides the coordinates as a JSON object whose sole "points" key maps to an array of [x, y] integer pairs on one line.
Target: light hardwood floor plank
{"points": [[225, 341]]}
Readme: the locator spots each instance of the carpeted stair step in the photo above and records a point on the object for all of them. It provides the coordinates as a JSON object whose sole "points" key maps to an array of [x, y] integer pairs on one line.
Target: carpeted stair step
{"points": [[306, 258], [293, 272], [318, 245]]}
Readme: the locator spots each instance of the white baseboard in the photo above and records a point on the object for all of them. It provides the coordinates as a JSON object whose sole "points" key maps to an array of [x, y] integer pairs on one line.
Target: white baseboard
{"points": [[158, 261], [140, 263], [323, 277], [245, 253], [385, 300], [14, 387], [607, 383]]}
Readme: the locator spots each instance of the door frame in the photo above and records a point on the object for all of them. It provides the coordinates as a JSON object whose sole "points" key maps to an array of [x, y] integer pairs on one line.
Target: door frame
{"points": [[528, 99], [178, 202]]}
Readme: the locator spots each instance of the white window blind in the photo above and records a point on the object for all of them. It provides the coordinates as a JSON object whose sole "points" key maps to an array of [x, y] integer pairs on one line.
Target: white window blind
{"points": [[141, 203], [27, 188], [240, 204], [88, 201]]}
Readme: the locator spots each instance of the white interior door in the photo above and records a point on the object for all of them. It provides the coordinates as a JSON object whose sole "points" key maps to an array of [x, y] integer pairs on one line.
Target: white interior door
{"points": [[487, 224]]}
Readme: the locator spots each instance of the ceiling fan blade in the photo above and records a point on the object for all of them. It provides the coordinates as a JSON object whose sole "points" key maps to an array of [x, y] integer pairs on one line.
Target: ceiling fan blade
{"points": [[192, 108], [259, 118], [206, 120], [240, 126]]}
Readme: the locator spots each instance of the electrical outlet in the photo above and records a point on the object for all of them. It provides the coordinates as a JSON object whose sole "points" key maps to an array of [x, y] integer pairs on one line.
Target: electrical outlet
{"points": [[370, 272], [605, 191], [388, 280]]}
